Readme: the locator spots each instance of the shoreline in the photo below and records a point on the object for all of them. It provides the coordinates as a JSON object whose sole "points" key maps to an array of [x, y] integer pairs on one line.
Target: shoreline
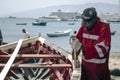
{"points": [[114, 60]]}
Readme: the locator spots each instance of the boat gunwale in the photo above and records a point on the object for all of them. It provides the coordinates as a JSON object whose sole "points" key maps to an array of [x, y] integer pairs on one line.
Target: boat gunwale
{"points": [[52, 46]]}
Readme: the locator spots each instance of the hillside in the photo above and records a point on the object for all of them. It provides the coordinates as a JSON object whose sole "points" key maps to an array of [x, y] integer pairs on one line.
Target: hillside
{"points": [[100, 7]]}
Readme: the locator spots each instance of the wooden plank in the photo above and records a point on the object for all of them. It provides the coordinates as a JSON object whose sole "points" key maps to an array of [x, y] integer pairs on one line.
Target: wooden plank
{"points": [[75, 60], [10, 61], [59, 75], [39, 65], [53, 46], [33, 56], [13, 44]]}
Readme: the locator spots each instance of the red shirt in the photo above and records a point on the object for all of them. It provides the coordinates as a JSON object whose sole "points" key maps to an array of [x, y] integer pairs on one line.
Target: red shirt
{"points": [[97, 42]]}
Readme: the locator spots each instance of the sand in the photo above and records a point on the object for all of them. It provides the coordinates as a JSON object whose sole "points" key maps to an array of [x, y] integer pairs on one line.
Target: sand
{"points": [[114, 64]]}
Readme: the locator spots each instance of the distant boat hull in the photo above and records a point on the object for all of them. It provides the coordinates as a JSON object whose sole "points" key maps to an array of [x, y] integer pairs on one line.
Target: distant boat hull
{"points": [[59, 33], [71, 23], [21, 23], [39, 23], [114, 20], [50, 18], [12, 17], [113, 33]]}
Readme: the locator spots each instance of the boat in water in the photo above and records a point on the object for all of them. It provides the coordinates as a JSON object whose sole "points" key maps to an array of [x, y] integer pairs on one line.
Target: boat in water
{"points": [[71, 23], [114, 20], [12, 17], [113, 32], [50, 18], [39, 23], [59, 33], [21, 23], [34, 59]]}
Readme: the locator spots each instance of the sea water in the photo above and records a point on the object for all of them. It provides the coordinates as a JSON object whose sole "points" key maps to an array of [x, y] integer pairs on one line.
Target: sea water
{"points": [[12, 32]]}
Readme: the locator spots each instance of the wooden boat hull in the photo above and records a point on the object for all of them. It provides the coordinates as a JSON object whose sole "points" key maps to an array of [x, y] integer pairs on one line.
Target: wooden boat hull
{"points": [[37, 59]]}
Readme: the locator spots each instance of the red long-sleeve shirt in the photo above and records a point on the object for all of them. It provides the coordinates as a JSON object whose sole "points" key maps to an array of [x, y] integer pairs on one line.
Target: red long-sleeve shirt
{"points": [[97, 42]]}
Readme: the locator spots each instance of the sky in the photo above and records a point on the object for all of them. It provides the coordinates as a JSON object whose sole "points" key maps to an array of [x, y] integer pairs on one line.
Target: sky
{"points": [[8, 6]]}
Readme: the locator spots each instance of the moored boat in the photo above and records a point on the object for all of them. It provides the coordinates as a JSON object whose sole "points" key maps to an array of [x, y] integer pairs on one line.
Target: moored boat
{"points": [[21, 23], [50, 18], [113, 32], [40, 23], [114, 20], [34, 59], [71, 23], [12, 17], [59, 33]]}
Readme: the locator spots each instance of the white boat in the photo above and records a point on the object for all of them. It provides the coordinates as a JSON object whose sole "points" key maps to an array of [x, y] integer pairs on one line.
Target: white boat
{"points": [[59, 33], [114, 20], [50, 18]]}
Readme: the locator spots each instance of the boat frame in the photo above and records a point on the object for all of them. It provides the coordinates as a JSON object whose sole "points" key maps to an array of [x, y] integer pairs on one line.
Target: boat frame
{"points": [[31, 56]]}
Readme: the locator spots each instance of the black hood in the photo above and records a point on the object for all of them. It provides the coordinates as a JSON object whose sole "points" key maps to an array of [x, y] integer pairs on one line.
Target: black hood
{"points": [[89, 18]]}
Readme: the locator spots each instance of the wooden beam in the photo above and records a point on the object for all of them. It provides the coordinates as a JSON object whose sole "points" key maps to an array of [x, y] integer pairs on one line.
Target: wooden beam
{"points": [[33, 56], [13, 44], [10, 61], [59, 75], [39, 65]]}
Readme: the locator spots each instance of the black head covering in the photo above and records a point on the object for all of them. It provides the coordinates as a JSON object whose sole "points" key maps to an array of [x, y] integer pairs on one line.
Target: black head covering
{"points": [[89, 18], [24, 30]]}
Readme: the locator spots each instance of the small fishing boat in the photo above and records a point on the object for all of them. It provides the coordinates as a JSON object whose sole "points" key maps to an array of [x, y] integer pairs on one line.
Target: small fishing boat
{"points": [[71, 23], [59, 33], [113, 32], [21, 23], [39, 23], [114, 20], [12, 17], [34, 59]]}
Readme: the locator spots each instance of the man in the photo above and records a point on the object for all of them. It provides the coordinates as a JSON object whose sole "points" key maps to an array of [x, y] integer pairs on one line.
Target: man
{"points": [[96, 42], [26, 34]]}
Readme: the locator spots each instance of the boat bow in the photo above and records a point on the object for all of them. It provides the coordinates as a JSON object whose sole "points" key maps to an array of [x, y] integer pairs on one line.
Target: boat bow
{"points": [[36, 59]]}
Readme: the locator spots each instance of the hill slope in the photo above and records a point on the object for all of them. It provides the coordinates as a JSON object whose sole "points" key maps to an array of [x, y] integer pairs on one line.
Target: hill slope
{"points": [[100, 7]]}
